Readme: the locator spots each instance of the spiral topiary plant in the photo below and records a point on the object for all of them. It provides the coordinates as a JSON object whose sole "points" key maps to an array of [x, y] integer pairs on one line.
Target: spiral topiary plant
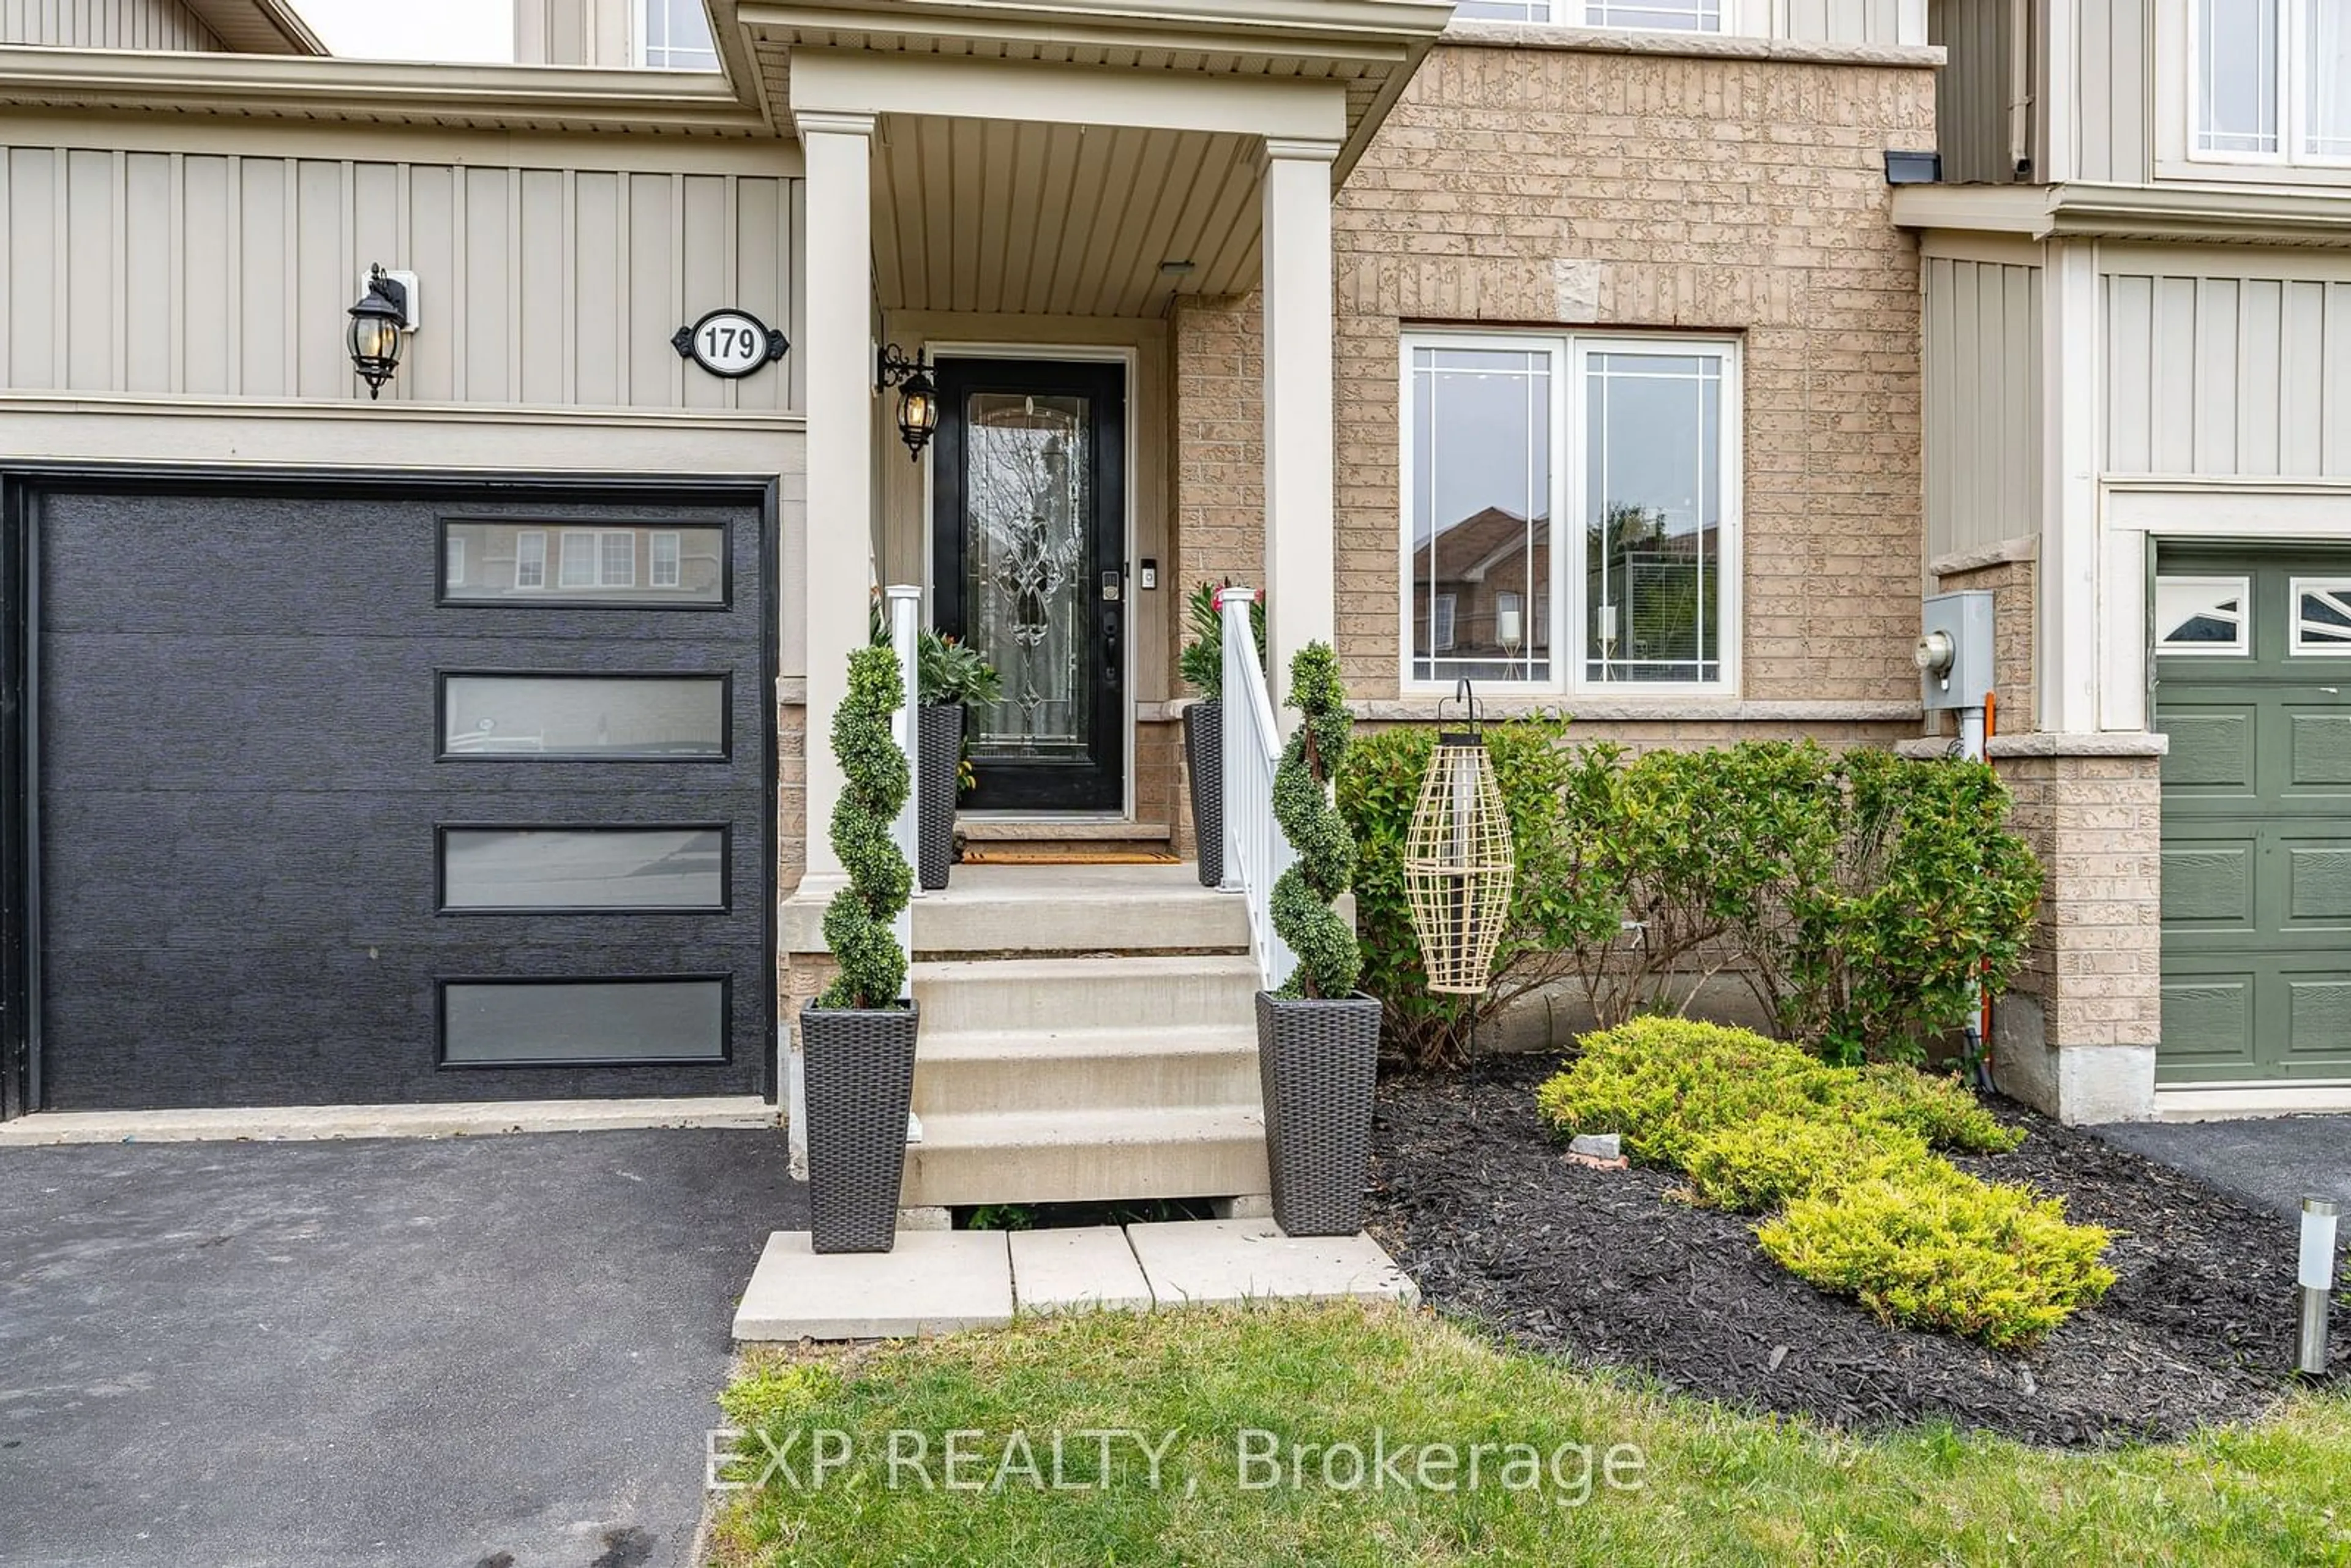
{"points": [[1329, 962], [857, 922]]}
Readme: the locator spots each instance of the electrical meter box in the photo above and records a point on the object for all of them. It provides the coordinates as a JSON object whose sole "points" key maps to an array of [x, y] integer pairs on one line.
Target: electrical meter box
{"points": [[1954, 653]]}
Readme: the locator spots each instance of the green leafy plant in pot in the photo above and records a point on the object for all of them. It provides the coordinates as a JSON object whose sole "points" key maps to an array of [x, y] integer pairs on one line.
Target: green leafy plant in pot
{"points": [[857, 1038], [1318, 1039], [1202, 665], [951, 679]]}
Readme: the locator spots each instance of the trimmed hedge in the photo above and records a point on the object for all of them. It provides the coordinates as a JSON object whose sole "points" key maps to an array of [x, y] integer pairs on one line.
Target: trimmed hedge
{"points": [[1860, 898], [1867, 1208]]}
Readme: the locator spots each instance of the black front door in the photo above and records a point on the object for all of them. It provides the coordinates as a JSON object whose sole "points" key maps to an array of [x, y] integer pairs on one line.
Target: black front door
{"points": [[1028, 566]]}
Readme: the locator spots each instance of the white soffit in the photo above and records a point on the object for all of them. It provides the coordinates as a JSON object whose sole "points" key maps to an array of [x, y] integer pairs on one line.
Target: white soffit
{"points": [[1023, 218]]}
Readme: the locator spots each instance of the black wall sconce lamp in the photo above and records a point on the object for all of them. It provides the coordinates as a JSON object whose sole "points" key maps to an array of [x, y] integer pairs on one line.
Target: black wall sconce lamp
{"points": [[918, 398], [386, 311]]}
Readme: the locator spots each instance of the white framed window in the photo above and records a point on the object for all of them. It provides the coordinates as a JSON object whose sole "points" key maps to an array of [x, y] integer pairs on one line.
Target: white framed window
{"points": [[530, 559], [674, 36], [618, 565], [577, 568], [662, 569], [2322, 617], [1588, 482], [1655, 16], [2270, 81], [2206, 616]]}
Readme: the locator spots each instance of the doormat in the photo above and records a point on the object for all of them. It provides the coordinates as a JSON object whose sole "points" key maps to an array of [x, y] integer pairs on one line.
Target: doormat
{"points": [[1017, 854]]}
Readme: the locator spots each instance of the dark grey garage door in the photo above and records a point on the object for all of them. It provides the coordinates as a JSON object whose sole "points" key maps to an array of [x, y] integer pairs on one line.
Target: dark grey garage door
{"points": [[351, 799]]}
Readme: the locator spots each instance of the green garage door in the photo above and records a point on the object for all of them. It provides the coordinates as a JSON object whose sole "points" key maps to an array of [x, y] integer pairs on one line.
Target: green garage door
{"points": [[2253, 686]]}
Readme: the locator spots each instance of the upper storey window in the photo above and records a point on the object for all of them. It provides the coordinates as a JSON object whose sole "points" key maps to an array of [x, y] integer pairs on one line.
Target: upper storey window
{"points": [[2273, 80], [674, 36], [1669, 16]]}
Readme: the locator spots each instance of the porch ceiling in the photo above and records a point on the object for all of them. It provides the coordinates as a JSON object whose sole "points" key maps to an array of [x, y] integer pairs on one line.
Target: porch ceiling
{"points": [[1023, 218]]}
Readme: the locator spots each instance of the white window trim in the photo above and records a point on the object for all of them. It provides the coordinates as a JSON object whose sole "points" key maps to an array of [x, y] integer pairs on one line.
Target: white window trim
{"points": [[1444, 609], [1737, 18], [2184, 119], [2242, 648], [1568, 353], [641, 41], [541, 534], [676, 559], [2339, 587], [605, 579]]}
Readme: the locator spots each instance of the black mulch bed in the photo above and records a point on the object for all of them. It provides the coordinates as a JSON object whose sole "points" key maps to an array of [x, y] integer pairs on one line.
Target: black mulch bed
{"points": [[1480, 1207]]}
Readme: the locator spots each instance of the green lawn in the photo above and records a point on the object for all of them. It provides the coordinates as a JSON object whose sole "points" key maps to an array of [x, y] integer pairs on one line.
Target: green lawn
{"points": [[1710, 1488]]}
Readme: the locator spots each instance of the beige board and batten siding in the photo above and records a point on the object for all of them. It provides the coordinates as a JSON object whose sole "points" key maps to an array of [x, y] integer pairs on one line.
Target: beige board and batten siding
{"points": [[229, 275], [572, 32], [2244, 374], [2110, 96], [1982, 404], [1977, 91], [105, 25], [1844, 21]]}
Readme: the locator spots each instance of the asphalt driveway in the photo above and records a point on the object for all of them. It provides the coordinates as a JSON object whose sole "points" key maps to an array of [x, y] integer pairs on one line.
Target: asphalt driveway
{"points": [[483, 1352], [2271, 1162]]}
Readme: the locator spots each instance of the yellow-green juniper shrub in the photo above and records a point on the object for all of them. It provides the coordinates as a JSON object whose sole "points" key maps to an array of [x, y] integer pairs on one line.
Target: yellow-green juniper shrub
{"points": [[1871, 1210]]}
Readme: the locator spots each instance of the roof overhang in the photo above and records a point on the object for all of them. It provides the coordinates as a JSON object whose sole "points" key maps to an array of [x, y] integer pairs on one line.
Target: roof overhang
{"points": [[1367, 48], [2196, 213], [501, 97], [257, 26]]}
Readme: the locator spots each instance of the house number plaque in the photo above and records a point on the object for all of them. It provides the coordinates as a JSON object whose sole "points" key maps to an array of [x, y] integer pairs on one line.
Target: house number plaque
{"points": [[730, 344]]}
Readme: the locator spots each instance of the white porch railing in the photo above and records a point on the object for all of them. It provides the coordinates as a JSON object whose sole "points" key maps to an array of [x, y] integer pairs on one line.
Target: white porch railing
{"points": [[1256, 851]]}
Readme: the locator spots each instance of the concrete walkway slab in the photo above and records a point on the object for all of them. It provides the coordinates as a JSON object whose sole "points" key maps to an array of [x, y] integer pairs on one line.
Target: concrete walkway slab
{"points": [[1221, 1260], [291, 1124], [1080, 1269], [2271, 1163], [933, 1282]]}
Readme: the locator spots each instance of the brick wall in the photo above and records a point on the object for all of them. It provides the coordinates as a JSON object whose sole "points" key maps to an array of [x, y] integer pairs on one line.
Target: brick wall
{"points": [[2010, 582], [2096, 968], [1534, 187]]}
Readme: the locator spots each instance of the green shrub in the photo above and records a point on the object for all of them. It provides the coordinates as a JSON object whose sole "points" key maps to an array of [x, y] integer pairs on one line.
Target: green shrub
{"points": [[1998, 1264], [1933, 896], [1329, 961], [1870, 1209], [1935, 1107], [1758, 1165], [875, 783], [1562, 900]]}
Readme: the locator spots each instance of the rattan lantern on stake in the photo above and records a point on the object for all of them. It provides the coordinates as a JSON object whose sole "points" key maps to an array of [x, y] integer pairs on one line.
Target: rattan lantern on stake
{"points": [[1457, 864]]}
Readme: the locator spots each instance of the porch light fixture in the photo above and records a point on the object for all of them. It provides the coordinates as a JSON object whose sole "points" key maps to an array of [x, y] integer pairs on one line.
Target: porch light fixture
{"points": [[1457, 861], [378, 320], [918, 398]]}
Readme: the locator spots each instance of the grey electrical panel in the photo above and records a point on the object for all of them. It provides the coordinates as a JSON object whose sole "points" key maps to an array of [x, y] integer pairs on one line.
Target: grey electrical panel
{"points": [[1954, 652]]}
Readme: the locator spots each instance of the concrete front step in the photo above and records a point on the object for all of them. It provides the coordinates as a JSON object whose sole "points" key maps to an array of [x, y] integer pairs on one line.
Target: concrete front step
{"points": [[1085, 1070], [1078, 1156], [1045, 909], [1040, 996]]}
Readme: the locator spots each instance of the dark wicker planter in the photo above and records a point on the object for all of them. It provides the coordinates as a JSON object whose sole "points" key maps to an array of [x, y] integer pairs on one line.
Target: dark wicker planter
{"points": [[938, 752], [1318, 1064], [858, 1077], [1204, 758]]}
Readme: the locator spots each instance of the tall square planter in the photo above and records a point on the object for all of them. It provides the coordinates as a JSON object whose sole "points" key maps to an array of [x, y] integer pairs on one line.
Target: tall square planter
{"points": [[938, 759], [1318, 1069], [1204, 760], [858, 1079]]}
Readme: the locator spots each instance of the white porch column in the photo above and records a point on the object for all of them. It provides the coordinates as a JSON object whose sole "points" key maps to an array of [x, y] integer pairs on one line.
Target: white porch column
{"points": [[2066, 629], [837, 348], [1299, 565]]}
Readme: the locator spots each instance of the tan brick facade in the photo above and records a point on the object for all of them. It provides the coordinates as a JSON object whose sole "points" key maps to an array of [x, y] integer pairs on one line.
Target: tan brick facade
{"points": [[2010, 582], [1542, 186], [2092, 988]]}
